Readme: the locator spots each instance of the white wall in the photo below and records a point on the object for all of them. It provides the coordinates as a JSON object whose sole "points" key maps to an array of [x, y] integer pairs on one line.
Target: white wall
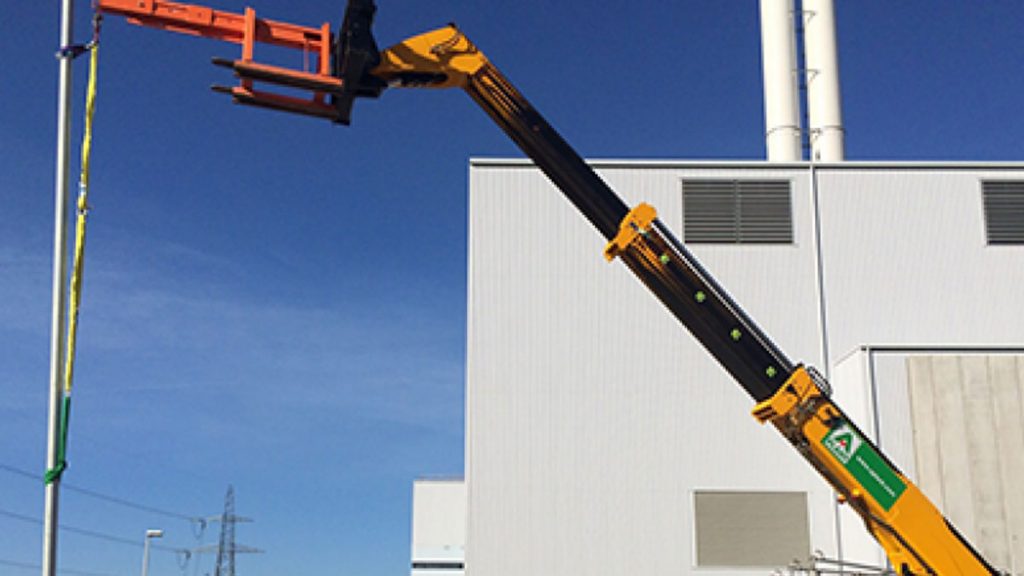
{"points": [[906, 260], [438, 526], [905, 264], [592, 416]]}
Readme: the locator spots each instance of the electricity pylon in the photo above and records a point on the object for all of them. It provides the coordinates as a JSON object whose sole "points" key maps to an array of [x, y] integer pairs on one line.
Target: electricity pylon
{"points": [[226, 547]]}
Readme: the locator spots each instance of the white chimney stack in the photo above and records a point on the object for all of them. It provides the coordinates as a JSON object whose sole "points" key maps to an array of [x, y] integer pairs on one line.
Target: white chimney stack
{"points": [[824, 109], [778, 65]]}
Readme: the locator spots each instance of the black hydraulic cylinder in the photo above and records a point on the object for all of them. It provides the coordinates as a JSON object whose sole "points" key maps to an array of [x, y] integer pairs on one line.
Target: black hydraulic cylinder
{"points": [[528, 129], [675, 276], [702, 305]]}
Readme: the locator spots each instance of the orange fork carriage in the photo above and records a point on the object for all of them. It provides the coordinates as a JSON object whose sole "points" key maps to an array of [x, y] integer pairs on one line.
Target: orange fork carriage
{"points": [[246, 29]]}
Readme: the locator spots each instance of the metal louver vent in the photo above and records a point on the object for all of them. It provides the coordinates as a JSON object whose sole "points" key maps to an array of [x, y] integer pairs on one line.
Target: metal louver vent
{"points": [[750, 529], [737, 212], [1004, 211]]}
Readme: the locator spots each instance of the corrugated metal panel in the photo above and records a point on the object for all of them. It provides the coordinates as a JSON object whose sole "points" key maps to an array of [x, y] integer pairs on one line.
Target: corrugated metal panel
{"points": [[737, 211], [905, 261], [590, 411], [1004, 211]]}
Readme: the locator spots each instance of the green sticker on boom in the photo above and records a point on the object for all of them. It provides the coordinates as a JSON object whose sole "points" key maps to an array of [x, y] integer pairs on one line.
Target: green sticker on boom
{"points": [[865, 464]]}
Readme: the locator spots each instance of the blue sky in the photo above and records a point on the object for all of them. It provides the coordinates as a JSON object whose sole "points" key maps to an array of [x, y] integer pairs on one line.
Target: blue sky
{"points": [[278, 303]]}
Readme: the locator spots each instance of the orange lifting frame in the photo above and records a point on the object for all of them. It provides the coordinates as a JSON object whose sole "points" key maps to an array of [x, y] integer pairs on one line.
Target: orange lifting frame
{"points": [[246, 29]]}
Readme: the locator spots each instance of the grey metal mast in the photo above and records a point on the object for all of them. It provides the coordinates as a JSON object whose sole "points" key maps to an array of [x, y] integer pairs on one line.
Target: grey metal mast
{"points": [[52, 489]]}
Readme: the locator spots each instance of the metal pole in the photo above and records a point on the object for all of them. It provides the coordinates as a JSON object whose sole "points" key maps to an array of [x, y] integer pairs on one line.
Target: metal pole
{"points": [[59, 290], [145, 558], [150, 534]]}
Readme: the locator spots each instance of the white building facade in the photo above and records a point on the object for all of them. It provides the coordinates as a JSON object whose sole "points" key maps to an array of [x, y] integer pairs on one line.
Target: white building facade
{"points": [[438, 527], [602, 439]]}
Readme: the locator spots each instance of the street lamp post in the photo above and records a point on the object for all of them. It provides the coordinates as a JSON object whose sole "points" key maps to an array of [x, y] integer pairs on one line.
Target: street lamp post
{"points": [[150, 534]]}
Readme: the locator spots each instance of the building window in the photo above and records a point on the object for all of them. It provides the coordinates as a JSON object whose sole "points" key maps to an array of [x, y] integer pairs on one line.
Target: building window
{"points": [[751, 529], [737, 212], [1004, 211]]}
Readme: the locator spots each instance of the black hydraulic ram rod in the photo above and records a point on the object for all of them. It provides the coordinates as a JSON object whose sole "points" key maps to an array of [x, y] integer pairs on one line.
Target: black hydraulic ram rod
{"points": [[552, 154], [660, 261]]}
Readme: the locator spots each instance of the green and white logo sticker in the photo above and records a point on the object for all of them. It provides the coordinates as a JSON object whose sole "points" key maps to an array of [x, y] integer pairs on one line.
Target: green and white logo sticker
{"points": [[865, 464], [843, 442]]}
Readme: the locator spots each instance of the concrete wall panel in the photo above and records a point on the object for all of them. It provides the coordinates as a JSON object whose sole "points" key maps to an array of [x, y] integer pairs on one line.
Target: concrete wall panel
{"points": [[972, 404]]}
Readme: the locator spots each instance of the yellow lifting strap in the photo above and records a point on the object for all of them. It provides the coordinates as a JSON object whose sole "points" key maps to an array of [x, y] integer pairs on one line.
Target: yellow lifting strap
{"points": [[83, 211], [79, 261]]}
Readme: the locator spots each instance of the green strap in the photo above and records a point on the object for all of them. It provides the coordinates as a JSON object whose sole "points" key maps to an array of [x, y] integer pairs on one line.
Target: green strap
{"points": [[62, 443]]}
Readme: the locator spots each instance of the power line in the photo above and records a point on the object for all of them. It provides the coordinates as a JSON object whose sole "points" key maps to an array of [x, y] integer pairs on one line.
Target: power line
{"points": [[107, 498], [94, 534], [28, 566], [129, 504]]}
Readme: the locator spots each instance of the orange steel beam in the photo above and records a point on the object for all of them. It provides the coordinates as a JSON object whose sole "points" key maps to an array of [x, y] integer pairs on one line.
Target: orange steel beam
{"points": [[246, 29], [209, 23]]}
